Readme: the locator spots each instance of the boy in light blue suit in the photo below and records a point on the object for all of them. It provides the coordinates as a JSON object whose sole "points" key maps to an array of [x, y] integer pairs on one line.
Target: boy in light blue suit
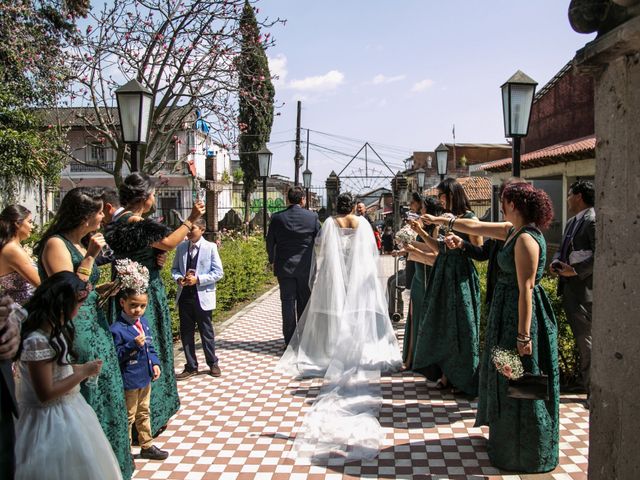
{"points": [[197, 268]]}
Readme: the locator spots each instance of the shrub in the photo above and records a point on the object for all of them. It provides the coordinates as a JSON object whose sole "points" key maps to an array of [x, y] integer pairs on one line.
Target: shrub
{"points": [[246, 275], [567, 351]]}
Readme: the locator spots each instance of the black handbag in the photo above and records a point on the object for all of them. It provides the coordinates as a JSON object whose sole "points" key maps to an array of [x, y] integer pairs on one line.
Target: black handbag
{"points": [[529, 387]]}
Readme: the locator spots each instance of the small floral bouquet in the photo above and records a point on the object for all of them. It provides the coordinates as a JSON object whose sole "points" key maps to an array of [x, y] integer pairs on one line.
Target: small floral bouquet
{"points": [[130, 276], [405, 235], [507, 362]]}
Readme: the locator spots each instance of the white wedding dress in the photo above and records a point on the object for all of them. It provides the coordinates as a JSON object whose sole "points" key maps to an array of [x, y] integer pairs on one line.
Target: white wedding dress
{"points": [[61, 439], [345, 335]]}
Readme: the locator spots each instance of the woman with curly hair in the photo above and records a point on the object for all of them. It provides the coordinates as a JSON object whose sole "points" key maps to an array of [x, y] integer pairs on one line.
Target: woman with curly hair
{"points": [[141, 239], [523, 434]]}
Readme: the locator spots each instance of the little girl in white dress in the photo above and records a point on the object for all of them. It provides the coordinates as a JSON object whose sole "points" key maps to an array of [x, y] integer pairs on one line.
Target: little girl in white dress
{"points": [[58, 436]]}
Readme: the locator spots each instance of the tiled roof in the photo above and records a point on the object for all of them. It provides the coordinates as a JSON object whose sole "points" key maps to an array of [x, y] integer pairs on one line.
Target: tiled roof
{"points": [[477, 188], [562, 152]]}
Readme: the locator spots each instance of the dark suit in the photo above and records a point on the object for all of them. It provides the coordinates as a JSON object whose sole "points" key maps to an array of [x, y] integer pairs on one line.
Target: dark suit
{"points": [[290, 242], [8, 408], [580, 234]]}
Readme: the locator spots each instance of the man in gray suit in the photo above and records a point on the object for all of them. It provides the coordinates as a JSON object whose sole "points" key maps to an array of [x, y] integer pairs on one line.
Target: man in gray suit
{"points": [[574, 264]]}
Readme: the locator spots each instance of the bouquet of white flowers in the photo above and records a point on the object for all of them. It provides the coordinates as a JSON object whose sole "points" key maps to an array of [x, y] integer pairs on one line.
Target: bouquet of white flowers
{"points": [[132, 275], [507, 362], [405, 235]]}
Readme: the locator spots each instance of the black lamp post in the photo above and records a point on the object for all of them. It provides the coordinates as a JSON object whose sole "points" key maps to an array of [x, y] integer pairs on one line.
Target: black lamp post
{"points": [[420, 176], [517, 99], [306, 180], [442, 157], [135, 104], [264, 164]]}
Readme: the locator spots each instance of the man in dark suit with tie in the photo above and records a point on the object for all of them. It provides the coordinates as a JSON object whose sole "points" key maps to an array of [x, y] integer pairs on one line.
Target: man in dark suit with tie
{"points": [[9, 343], [290, 241], [574, 264]]}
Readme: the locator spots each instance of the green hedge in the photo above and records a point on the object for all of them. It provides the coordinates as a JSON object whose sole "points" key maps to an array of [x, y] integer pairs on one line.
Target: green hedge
{"points": [[567, 351], [246, 275]]}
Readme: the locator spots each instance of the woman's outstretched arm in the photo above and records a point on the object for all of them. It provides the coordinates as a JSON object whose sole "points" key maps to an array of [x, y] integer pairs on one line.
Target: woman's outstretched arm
{"points": [[472, 226]]}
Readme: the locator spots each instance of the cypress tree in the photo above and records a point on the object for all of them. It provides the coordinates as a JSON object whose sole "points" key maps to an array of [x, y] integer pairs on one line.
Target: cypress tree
{"points": [[256, 101]]}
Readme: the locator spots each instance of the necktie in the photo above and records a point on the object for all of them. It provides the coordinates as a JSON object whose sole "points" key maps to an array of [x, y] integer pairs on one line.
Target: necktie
{"points": [[193, 250], [138, 326]]}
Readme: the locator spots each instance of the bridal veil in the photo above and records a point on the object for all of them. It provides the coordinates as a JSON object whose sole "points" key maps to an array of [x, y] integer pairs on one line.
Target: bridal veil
{"points": [[344, 335]]}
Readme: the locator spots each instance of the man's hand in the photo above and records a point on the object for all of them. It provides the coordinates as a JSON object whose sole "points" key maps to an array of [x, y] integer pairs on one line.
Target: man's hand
{"points": [[161, 259], [140, 340], [156, 372], [10, 338], [564, 269]]}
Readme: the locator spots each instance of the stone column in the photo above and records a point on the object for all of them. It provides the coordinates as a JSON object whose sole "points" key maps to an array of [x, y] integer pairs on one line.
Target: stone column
{"points": [[333, 189], [613, 59], [399, 186]]}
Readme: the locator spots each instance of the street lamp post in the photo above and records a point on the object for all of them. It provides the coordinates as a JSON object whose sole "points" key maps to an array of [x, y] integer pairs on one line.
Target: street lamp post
{"points": [[264, 165], [135, 104], [306, 180], [399, 186], [517, 100], [442, 160], [420, 176]]}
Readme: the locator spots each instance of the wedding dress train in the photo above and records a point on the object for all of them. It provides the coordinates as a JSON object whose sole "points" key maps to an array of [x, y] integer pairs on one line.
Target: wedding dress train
{"points": [[346, 336]]}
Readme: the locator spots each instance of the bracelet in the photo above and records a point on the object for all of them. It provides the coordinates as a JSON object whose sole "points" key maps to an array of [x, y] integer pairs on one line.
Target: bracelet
{"points": [[452, 221], [188, 224], [523, 341], [84, 271]]}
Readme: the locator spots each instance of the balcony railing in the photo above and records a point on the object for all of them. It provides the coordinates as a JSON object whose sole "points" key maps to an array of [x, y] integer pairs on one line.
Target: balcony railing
{"points": [[79, 167]]}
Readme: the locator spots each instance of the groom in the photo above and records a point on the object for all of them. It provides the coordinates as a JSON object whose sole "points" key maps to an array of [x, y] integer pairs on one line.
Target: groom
{"points": [[289, 245]]}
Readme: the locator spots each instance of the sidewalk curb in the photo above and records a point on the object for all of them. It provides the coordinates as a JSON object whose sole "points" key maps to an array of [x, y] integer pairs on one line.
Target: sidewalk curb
{"points": [[247, 308], [178, 353]]}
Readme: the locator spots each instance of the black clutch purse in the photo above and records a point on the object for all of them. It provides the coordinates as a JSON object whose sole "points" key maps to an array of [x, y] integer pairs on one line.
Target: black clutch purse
{"points": [[529, 387]]}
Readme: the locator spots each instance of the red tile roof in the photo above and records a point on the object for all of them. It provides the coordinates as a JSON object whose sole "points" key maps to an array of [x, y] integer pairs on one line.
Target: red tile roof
{"points": [[561, 152], [478, 189]]}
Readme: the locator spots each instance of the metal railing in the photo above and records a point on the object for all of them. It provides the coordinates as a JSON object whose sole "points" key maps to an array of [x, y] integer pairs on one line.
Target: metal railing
{"points": [[79, 167]]}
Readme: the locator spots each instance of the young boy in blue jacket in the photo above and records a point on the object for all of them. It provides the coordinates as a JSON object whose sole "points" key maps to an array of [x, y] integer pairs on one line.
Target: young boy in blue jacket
{"points": [[139, 365]]}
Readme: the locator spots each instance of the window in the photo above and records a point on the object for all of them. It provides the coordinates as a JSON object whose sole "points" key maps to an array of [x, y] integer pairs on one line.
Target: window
{"points": [[98, 153], [172, 152]]}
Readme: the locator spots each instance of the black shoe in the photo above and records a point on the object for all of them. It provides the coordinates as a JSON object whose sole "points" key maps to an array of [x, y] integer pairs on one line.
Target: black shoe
{"points": [[153, 453], [186, 373], [215, 371]]}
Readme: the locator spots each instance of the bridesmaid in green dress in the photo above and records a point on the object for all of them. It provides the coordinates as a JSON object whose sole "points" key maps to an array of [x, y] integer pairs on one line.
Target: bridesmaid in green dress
{"points": [[448, 332], [423, 262], [132, 236], [68, 245], [523, 434]]}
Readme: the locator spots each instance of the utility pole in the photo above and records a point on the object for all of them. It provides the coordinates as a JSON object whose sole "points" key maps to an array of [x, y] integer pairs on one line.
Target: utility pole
{"points": [[298, 157]]}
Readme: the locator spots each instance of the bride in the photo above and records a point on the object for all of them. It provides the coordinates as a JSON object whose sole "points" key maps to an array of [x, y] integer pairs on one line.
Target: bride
{"points": [[345, 335]]}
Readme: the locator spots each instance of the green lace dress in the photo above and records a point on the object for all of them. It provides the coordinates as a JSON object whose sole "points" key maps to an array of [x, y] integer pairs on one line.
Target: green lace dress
{"points": [[523, 434], [418, 305], [92, 341], [448, 332], [164, 391]]}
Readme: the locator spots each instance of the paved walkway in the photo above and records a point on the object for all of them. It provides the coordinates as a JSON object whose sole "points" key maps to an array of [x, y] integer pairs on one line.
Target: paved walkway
{"points": [[240, 425]]}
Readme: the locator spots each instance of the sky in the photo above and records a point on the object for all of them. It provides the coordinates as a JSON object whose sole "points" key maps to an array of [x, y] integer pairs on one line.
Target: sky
{"points": [[399, 74]]}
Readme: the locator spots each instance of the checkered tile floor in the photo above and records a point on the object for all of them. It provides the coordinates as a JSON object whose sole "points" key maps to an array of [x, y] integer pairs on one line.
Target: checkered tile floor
{"points": [[240, 425]]}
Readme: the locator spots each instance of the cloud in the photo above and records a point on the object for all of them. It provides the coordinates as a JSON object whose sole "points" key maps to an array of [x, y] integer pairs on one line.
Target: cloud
{"points": [[381, 79], [321, 83], [278, 68], [422, 85]]}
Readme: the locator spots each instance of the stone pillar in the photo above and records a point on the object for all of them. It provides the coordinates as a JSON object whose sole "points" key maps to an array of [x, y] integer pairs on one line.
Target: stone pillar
{"points": [[399, 186], [211, 174], [333, 189], [613, 59]]}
